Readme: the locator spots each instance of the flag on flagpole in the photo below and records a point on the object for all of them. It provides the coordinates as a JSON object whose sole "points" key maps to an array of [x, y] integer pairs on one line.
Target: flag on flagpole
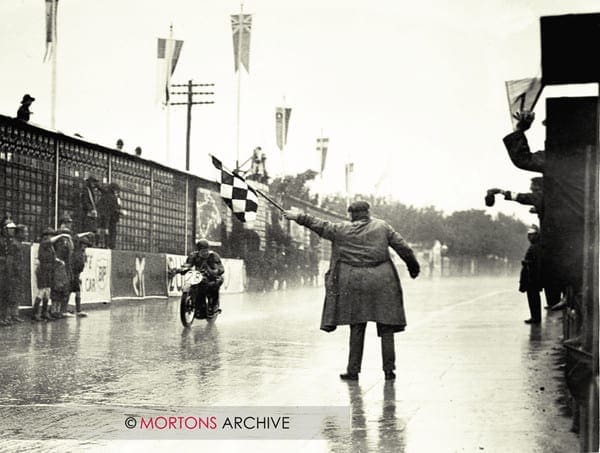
{"points": [[51, 14], [241, 26], [282, 120], [349, 171], [522, 94], [235, 192], [168, 52], [322, 145]]}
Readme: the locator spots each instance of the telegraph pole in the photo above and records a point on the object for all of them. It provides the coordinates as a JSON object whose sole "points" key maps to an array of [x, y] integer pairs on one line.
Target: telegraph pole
{"points": [[189, 102]]}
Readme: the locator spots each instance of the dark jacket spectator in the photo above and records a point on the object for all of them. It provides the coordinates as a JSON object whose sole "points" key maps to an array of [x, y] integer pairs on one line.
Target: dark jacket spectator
{"points": [[24, 113], [88, 207], [109, 213]]}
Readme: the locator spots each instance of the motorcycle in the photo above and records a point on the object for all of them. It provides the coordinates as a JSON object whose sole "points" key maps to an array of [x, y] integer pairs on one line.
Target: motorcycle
{"points": [[195, 286]]}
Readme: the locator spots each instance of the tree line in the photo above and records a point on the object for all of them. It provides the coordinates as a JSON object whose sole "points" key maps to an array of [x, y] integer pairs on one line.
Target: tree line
{"points": [[471, 232]]}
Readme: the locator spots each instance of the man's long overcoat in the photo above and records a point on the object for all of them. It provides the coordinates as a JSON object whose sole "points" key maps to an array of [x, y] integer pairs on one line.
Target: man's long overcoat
{"points": [[362, 283]]}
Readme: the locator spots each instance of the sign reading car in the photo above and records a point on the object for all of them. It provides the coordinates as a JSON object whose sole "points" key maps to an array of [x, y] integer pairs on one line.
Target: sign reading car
{"points": [[95, 277]]}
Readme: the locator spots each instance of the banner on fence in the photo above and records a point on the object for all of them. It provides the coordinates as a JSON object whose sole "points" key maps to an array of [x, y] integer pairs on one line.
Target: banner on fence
{"points": [[95, 278], [137, 275]]}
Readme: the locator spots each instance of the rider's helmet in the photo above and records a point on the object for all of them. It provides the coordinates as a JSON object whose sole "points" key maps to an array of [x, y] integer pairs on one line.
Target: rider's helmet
{"points": [[202, 244]]}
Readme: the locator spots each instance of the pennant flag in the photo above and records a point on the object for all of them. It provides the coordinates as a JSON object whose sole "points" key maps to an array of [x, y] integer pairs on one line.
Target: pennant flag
{"points": [[282, 120], [241, 25], [51, 10], [322, 145], [241, 198], [168, 52], [349, 171], [522, 94]]}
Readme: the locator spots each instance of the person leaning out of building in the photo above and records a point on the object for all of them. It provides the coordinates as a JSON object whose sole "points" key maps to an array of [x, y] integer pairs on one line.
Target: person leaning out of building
{"points": [[362, 283], [531, 281]]}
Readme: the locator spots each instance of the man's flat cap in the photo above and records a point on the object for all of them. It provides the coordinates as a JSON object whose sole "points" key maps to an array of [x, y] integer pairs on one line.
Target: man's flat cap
{"points": [[358, 206]]}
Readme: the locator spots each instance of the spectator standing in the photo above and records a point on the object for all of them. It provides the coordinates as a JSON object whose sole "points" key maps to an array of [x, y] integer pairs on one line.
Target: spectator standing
{"points": [[61, 284], [6, 270], [44, 275], [24, 113], [109, 214], [531, 281], [16, 270], [88, 209], [77, 266]]}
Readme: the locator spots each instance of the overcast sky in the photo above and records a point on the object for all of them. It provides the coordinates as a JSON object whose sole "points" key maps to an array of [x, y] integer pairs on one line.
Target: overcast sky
{"points": [[414, 95]]}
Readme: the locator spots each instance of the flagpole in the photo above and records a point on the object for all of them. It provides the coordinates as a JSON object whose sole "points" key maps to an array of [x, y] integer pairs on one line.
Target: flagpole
{"points": [[320, 163], [239, 77], [283, 139], [54, 52]]}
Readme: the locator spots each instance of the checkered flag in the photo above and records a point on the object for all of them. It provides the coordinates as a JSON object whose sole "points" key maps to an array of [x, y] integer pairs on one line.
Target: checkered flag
{"points": [[241, 198]]}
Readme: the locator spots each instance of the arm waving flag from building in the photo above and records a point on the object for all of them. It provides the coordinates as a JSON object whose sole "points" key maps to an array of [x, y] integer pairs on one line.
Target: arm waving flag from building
{"points": [[522, 94], [235, 192]]}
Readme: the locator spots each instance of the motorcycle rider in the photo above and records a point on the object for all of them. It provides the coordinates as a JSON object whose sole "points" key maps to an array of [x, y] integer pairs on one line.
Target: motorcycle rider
{"points": [[210, 266]]}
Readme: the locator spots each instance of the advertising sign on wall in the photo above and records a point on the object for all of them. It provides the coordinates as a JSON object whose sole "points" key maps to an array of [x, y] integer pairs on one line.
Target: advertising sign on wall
{"points": [[136, 275], [95, 278], [174, 283], [208, 216]]}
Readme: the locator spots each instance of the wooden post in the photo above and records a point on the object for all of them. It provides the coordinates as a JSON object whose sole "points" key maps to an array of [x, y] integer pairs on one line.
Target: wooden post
{"points": [[189, 126]]}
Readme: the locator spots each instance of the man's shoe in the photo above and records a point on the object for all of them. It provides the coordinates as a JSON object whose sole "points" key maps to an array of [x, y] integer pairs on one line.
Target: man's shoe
{"points": [[81, 314], [349, 376], [68, 314], [532, 321], [17, 319], [389, 375]]}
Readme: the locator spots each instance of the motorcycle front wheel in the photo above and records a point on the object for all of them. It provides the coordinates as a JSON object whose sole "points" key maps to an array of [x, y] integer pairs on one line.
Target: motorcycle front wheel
{"points": [[187, 310]]}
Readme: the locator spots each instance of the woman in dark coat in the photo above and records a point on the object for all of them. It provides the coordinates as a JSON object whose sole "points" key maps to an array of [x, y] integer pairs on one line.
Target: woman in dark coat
{"points": [[531, 276], [362, 283]]}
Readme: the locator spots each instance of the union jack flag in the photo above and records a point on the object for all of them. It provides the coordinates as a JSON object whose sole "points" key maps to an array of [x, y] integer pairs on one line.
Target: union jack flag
{"points": [[241, 25], [235, 192]]}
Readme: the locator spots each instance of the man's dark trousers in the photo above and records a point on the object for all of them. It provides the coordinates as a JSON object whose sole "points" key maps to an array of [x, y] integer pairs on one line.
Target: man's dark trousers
{"points": [[357, 342]]}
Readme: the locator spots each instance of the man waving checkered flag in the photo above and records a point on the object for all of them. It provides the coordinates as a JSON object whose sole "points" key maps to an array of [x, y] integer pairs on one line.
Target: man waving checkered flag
{"points": [[241, 199]]}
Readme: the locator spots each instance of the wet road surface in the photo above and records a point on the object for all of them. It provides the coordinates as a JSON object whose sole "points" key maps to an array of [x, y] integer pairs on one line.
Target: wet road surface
{"points": [[470, 375]]}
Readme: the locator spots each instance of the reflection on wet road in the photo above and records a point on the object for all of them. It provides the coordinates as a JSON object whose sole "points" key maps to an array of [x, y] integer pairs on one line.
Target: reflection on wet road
{"points": [[471, 375]]}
